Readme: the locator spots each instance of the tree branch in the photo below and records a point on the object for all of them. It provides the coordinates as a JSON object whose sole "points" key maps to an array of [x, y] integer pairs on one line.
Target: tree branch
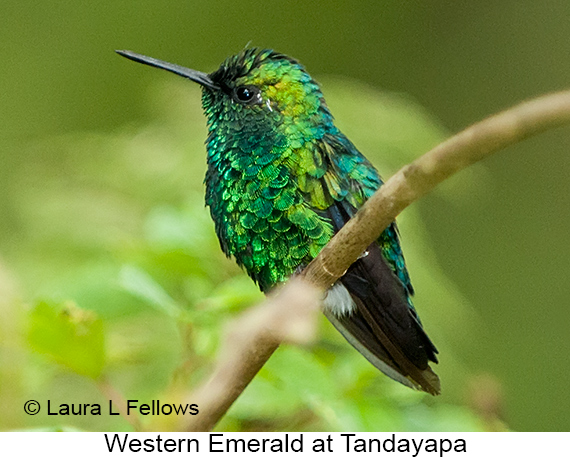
{"points": [[287, 315], [260, 331], [420, 177]]}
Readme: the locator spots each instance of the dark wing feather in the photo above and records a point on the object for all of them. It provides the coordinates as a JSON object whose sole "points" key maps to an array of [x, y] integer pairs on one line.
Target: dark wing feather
{"points": [[383, 327], [386, 322]]}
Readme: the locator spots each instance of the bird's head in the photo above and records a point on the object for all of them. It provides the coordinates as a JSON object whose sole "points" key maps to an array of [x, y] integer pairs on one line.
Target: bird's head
{"points": [[255, 91]]}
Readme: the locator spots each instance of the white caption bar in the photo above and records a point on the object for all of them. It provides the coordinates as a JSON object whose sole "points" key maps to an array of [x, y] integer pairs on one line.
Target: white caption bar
{"points": [[389, 444]]}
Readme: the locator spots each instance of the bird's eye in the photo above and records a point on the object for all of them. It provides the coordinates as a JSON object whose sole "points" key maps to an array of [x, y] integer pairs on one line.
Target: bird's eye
{"points": [[249, 95]]}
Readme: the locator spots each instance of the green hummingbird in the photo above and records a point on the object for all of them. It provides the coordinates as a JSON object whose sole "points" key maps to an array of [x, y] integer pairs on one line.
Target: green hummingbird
{"points": [[282, 179]]}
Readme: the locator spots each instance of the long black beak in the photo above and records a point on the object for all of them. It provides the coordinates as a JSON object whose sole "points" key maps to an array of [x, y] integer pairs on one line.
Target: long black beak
{"points": [[193, 75]]}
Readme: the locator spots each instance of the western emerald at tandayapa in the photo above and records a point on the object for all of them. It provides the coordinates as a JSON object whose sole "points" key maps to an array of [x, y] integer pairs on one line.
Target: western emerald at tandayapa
{"points": [[282, 179]]}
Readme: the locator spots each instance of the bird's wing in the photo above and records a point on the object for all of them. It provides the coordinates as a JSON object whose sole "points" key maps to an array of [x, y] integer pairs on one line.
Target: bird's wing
{"points": [[381, 324]]}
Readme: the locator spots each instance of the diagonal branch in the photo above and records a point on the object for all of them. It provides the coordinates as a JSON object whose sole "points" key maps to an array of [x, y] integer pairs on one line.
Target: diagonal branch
{"points": [[288, 315], [422, 175], [259, 333]]}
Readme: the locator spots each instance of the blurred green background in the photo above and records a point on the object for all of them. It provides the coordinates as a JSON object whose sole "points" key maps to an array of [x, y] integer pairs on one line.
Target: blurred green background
{"points": [[105, 246]]}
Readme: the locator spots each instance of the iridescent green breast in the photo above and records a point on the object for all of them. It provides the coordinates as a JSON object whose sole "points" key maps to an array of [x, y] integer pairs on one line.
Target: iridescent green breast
{"points": [[262, 217]]}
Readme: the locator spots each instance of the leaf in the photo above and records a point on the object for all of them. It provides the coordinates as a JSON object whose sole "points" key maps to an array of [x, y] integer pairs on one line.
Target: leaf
{"points": [[142, 285], [69, 335]]}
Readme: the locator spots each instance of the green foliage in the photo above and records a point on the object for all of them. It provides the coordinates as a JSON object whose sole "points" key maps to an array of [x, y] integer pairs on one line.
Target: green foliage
{"points": [[142, 285], [116, 223], [70, 336]]}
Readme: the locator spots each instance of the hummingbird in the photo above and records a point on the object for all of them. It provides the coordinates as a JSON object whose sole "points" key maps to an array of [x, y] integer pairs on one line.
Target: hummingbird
{"points": [[282, 179]]}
